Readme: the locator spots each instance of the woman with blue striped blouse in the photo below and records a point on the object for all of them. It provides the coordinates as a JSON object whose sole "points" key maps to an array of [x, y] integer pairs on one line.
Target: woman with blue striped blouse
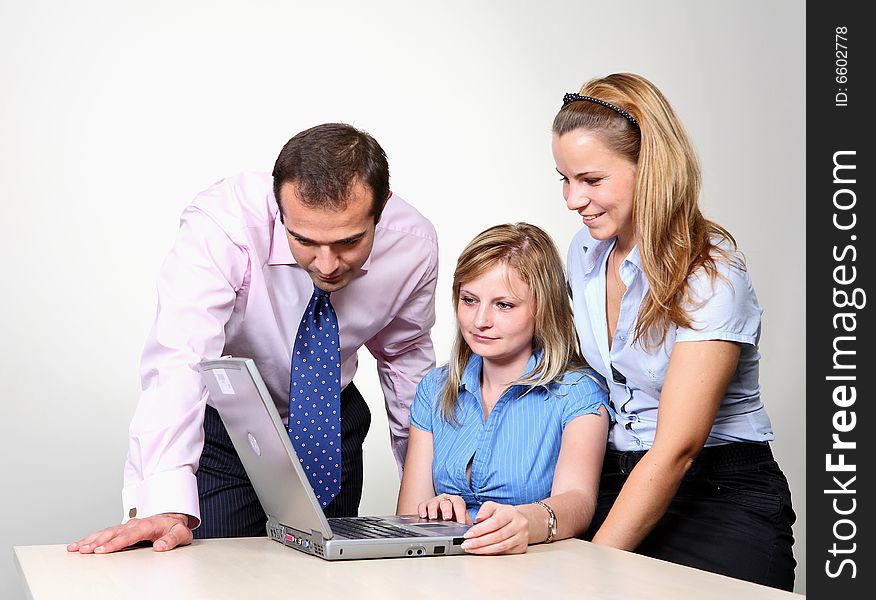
{"points": [[510, 434]]}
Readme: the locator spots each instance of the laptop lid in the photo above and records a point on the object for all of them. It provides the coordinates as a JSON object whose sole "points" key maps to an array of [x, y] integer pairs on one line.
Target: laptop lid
{"points": [[238, 392]]}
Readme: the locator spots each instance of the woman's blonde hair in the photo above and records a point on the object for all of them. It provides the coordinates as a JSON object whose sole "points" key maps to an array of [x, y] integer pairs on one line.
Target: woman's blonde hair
{"points": [[532, 254], [673, 236]]}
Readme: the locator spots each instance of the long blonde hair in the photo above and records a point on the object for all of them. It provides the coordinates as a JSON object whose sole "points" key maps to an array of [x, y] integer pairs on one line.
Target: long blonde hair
{"points": [[534, 257], [673, 236]]}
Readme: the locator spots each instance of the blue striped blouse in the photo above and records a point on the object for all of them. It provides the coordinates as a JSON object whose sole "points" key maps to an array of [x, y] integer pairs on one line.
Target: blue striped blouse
{"points": [[513, 453]]}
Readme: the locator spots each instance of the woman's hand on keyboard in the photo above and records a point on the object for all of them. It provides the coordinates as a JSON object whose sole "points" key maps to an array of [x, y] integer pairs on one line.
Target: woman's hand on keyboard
{"points": [[445, 506]]}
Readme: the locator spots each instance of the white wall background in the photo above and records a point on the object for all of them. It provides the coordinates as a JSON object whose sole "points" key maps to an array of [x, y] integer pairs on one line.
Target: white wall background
{"points": [[113, 115]]}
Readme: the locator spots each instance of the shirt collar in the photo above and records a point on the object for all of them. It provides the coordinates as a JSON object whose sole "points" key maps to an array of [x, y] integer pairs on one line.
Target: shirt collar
{"points": [[595, 249], [471, 377], [634, 257]]}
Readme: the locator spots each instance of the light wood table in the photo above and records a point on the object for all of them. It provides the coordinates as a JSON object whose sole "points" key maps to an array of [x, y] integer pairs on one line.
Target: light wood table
{"points": [[261, 568]]}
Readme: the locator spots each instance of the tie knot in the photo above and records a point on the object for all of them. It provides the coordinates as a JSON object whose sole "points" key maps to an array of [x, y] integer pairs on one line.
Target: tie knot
{"points": [[320, 292]]}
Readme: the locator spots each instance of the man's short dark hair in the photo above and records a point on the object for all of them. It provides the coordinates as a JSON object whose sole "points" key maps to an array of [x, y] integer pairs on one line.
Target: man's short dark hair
{"points": [[325, 161]]}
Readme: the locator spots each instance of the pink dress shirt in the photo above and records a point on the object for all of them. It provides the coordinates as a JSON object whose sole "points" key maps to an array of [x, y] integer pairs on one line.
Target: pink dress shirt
{"points": [[230, 286]]}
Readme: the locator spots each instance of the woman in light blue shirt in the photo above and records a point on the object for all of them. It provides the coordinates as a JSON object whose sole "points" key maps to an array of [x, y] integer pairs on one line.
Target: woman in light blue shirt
{"points": [[665, 310], [511, 433]]}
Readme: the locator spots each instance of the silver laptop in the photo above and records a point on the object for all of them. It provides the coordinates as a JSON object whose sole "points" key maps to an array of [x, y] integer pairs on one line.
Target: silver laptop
{"points": [[294, 515]]}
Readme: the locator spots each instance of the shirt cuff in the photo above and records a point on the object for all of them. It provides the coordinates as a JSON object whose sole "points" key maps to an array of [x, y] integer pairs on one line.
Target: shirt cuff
{"points": [[692, 335], [168, 492]]}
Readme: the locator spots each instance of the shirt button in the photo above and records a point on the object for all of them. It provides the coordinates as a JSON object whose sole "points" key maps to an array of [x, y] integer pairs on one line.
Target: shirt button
{"points": [[132, 513]]}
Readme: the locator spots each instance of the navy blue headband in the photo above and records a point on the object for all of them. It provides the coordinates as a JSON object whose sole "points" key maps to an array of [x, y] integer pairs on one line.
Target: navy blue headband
{"points": [[570, 97]]}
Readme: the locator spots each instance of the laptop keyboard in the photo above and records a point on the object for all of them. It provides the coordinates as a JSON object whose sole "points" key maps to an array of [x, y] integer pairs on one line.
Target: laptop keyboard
{"points": [[357, 528]]}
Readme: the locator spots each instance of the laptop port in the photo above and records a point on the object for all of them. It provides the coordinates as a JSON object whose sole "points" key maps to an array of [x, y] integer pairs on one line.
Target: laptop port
{"points": [[438, 550]]}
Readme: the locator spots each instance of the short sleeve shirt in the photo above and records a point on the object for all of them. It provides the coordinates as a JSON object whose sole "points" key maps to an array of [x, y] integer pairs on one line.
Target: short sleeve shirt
{"points": [[723, 308]]}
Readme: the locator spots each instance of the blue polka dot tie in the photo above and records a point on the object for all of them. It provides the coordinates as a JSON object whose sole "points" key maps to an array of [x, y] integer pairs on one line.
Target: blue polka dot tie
{"points": [[315, 397]]}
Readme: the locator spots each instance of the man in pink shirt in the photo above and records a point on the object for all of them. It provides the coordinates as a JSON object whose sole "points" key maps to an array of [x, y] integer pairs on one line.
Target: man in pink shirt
{"points": [[250, 252]]}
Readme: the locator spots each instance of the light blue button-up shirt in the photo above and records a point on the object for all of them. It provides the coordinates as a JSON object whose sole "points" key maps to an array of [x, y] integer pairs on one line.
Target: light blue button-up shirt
{"points": [[727, 310], [514, 451]]}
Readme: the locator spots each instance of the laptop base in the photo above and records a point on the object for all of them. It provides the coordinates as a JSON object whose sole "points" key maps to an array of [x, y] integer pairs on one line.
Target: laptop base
{"points": [[351, 549]]}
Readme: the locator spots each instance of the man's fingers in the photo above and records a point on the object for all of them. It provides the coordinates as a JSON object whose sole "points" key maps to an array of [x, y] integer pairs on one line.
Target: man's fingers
{"points": [[127, 535], [74, 546], [179, 535], [87, 544], [116, 543]]}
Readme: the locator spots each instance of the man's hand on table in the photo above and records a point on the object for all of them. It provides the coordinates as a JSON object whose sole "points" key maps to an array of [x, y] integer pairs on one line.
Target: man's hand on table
{"points": [[165, 531]]}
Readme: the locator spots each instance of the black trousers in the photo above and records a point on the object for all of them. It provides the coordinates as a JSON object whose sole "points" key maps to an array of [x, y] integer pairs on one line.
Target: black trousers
{"points": [[731, 515], [229, 505]]}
